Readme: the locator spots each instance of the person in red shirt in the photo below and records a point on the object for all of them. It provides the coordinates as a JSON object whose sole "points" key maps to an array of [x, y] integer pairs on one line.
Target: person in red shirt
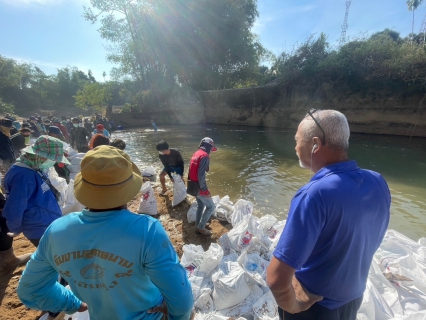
{"points": [[197, 185]]}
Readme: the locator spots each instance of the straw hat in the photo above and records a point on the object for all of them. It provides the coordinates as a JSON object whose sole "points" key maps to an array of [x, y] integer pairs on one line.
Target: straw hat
{"points": [[49, 148], [108, 179]]}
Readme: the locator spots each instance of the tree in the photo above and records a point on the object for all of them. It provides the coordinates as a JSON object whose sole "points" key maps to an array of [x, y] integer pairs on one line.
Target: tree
{"points": [[93, 95], [202, 44], [412, 6]]}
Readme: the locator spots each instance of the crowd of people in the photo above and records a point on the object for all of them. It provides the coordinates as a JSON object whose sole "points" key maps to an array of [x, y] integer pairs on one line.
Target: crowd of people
{"points": [[121, 265]]}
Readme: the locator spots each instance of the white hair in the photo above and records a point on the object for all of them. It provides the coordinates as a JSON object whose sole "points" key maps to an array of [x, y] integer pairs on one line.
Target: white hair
{"points": [[334, 124]]}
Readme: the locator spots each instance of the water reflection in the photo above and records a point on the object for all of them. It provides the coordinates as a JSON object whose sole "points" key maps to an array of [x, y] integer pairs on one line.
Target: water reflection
{"points": [[260, 165]]}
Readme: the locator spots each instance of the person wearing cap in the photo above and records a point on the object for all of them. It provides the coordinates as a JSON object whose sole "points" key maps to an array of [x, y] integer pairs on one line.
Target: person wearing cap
{"points": [[63, 129], [79, 136], [197, 184], [34, 128], [120, 265], [56, 133], [7, 153], [20, 140], [172, 162], [101, 129], [32, 201]]}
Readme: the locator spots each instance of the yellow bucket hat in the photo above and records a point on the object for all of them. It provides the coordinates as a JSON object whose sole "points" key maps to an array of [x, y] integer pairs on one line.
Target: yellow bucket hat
{"points": [[108, 179]]}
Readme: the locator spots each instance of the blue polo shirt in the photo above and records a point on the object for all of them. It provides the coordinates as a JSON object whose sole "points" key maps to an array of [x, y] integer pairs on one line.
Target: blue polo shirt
{"points": [[335, 224]]}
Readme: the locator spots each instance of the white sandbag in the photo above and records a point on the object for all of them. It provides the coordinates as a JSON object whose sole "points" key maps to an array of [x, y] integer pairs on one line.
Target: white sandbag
{"points": [[255, 266], [76, 158], [69, 150], [148, 204], [209, 316], [242, 209], [191, 257], [194, 257], [266, 308], [230, 286], [71, 203], [241, 236], [192, 212], [204, 302], [78, 316], [224, 209], [211, 259], [59, 183], [179, 190], [149, 172], [243, 309]]}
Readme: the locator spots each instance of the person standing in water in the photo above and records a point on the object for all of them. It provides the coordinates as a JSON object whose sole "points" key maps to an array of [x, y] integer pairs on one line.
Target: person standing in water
{"points": [[154, 125], [172, 161]]}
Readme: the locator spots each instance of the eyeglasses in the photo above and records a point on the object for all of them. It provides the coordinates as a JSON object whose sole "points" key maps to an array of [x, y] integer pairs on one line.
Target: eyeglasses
{"points": [[311, 112]]}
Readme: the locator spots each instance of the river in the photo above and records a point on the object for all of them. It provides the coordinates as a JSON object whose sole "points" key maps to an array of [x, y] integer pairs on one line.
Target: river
{"points": [[260, 165]]}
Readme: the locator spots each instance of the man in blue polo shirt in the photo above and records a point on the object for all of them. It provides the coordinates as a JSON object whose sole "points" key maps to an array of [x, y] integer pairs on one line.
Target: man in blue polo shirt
{"points": [[335, 224]]}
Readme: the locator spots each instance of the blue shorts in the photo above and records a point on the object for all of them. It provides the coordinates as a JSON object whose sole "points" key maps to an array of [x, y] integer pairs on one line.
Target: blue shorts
{"points": [[171, 169]]}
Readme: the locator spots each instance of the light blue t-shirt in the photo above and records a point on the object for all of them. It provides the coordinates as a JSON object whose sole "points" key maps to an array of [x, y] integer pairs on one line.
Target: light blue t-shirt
{"points": [[335, 224], [120, 263]]}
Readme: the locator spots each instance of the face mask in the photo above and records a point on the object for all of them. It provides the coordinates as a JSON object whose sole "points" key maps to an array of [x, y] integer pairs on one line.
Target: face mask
{"points": [[75, 125], [27, 139], [160, 152], [46, 165]]}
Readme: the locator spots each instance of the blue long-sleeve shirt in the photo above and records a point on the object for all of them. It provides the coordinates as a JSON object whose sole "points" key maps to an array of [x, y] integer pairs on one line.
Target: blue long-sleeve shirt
{"points": [[119, 263], [31, 206]]}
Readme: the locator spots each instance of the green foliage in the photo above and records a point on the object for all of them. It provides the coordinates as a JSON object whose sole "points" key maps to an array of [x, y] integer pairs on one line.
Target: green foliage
{"points": [[6, 107], [93, 95], [202, 44], [383, 61]]}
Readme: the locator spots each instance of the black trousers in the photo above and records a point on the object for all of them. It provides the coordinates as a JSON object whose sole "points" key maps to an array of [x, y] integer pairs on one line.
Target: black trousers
{"points": [[317, 312], [5, 240]]}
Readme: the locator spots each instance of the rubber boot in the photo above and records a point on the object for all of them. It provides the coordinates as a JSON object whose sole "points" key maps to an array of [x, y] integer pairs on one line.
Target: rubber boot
{"points": [[8, 260]]}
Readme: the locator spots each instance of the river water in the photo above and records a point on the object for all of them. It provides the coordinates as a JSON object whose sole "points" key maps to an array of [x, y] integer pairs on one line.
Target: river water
{"points": [[260, 165]]}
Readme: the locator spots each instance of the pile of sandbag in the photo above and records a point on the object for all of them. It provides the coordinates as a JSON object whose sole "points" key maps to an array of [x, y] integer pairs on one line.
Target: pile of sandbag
{"points": [[75, 164]]}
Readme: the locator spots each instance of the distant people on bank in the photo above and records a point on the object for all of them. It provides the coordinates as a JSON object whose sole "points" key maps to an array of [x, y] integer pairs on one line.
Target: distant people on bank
{"points": [[101, 129], [55, 132], [34, 128], [335, 224], [154, 125], [197, 184], [88, 125], [20, 140], [79, 136], [172, 162], [7, 154], [140, 263], [63, 129], [98, 140], [118, 143]]}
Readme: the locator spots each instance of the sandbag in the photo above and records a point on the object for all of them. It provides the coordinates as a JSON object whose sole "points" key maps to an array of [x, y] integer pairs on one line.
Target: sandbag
{"points": [[71, 203], [179, 190], [224, 209], [240, 237], [204, 302], [230, 286], [194, 257], [59, 183], [149, 171], [192, 212], [242, 209], [148, 204], [266, 308]]}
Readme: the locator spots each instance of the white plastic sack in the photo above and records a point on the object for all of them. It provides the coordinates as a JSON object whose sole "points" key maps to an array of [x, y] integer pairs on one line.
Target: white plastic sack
{"points": [[211, 259], [255, 266], [71, 203], [191, 257], [266, 308], [148, 204], [192, 212], [224, 209], [149, 172], [194, 257], [204, 302], [242, 209], [179, 190], [240, 237], [59, 183], [69, 150], [230, 286]]}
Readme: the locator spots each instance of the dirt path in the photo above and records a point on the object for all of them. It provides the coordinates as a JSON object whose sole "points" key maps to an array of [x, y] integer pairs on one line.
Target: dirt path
{"points": [[173, 219]]}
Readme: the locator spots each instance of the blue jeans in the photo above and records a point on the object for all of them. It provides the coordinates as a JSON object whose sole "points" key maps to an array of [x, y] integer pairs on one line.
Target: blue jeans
{"points": [[202, 218]]}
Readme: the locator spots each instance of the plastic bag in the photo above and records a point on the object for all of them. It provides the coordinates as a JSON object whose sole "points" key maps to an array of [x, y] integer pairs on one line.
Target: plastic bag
{"points": [[242, 209], [224, 209], [179, 190], [148, 204], [149, 171], [241, 236], [255, 267], [194, 257], [266, 308], [71, 203], [204, 302], [243, 309], [230, 286], [59, 183], [192, 212]]}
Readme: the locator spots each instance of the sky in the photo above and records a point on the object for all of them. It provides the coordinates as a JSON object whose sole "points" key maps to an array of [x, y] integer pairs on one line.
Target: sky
{"points": [[53, 33]]}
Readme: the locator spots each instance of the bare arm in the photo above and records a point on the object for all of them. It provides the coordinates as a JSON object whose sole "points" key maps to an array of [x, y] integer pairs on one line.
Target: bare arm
{"points": [[289, 294]]}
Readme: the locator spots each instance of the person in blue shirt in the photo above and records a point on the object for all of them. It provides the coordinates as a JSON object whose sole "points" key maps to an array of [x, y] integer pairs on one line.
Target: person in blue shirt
{"points": [[154, 125], [101, 129], [335, 224], [119, 265]]}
